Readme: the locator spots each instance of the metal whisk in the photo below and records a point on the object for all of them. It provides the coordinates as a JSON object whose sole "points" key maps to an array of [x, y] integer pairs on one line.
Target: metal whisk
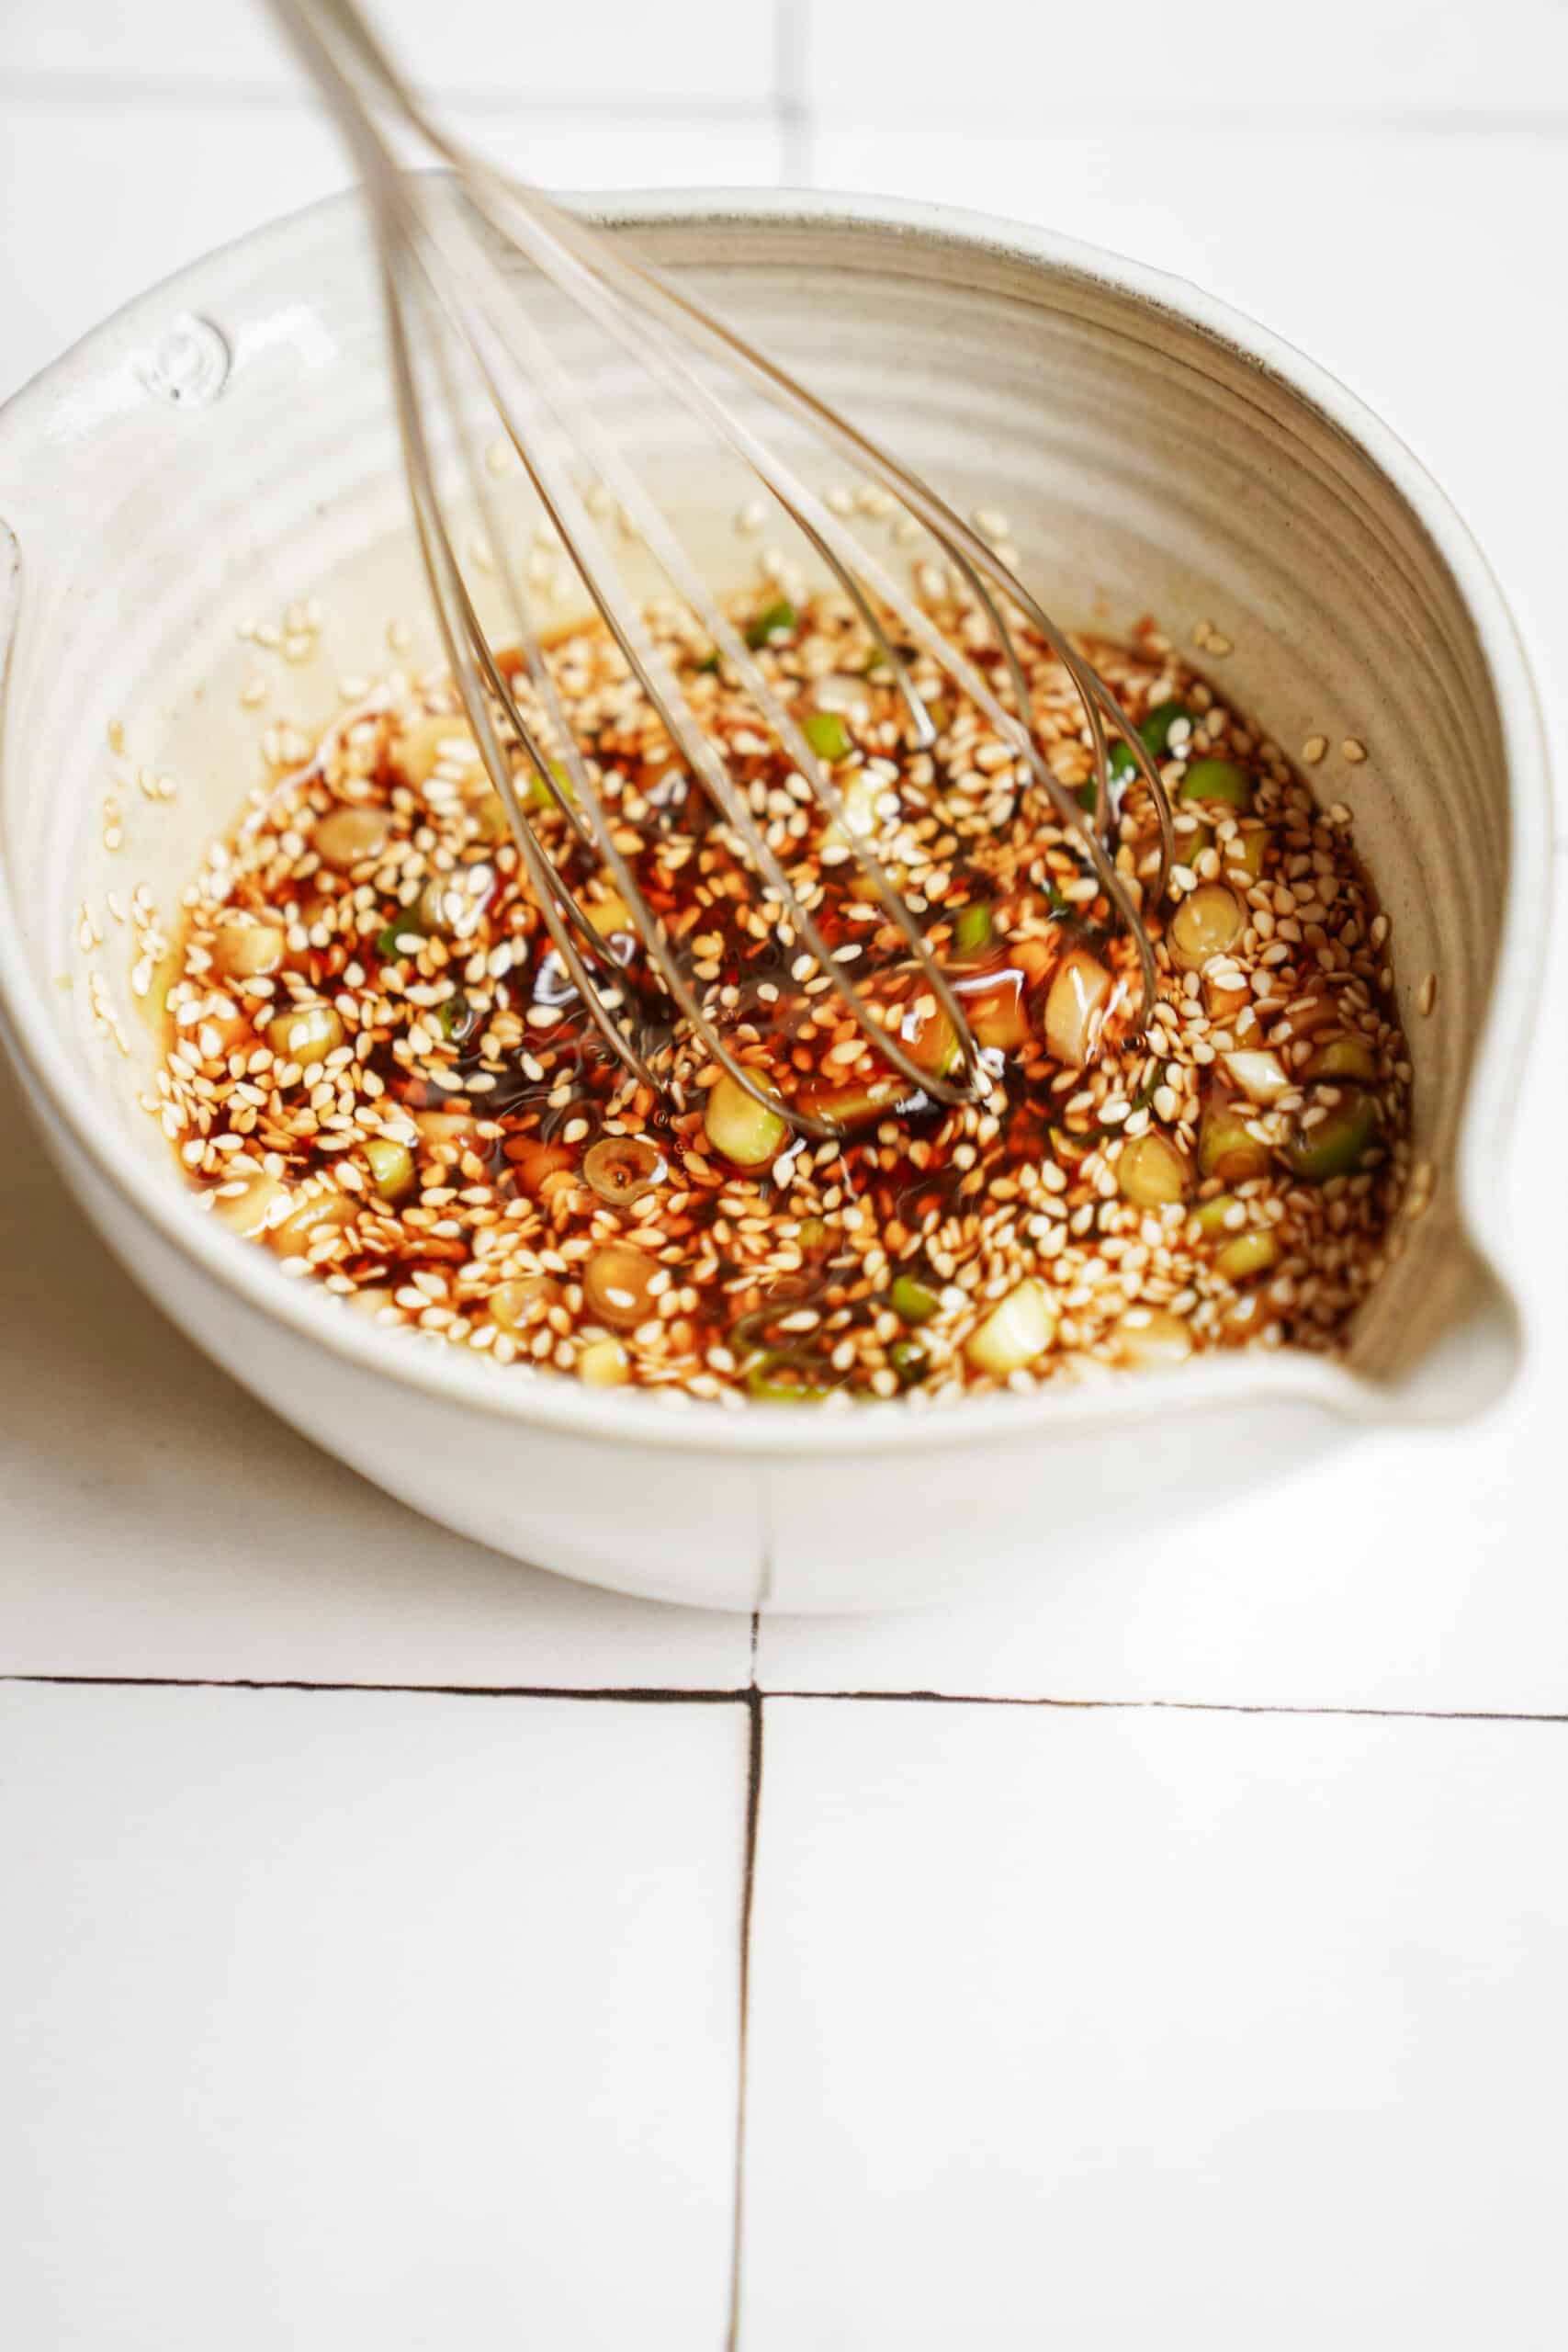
{"points": [[447, 249]]}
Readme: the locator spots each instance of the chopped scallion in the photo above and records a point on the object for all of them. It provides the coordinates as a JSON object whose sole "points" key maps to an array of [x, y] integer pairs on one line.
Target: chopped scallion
{"points": [[773, 621], [828, 735]]}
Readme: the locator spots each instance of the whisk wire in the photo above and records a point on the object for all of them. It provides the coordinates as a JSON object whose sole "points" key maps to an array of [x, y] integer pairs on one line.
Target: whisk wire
{"points": [[569, 516], [433, 258]]}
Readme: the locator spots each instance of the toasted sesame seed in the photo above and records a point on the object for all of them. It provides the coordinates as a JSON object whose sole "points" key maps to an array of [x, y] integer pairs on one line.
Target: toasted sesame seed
{"points": [[958, 1199]]}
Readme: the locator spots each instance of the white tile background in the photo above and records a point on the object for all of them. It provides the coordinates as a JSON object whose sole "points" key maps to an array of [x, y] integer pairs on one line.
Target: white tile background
{"points": [[1099, 2027], [335, 2021], [1127, 2029]]}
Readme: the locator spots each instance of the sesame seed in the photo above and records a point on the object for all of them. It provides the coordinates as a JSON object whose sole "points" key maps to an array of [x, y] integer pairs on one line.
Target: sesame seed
{"points": [[969, 1198]]}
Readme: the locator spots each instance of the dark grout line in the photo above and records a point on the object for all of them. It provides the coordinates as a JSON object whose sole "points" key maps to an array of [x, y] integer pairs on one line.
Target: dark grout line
{"points": [[748, 1892], [634, 1694], [750, 1697], [1175, 1706], [752, 1693]]}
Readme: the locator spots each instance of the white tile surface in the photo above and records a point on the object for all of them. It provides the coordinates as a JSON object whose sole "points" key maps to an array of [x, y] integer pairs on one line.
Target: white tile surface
{"points": [[155, 1519], [336, 2019], [1420, 1571], [1422, 269], [116, 196], [1019, 63], [601, 50], [366, 2020], [1121, 2030]]}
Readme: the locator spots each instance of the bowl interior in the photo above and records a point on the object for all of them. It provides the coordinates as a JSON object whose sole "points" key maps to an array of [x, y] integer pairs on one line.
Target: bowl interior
{"points": [[226, 447]]}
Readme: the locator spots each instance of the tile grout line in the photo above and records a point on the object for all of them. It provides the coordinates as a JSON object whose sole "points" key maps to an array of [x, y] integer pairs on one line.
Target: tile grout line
{"points": [[634, 1694], [752, 1695], [1181, 1706], [754, 1703]]}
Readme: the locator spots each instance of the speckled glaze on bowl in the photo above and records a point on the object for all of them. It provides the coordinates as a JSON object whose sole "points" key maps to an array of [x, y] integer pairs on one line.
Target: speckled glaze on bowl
{"points": [[225, 444]]}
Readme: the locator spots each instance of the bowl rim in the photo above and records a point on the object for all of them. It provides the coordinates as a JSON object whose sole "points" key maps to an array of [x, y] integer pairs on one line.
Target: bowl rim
{"points": [[554, 1403]]}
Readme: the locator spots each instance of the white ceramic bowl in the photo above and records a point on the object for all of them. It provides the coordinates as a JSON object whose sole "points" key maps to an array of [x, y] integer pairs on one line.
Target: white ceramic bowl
{"points": [[225, 444]]}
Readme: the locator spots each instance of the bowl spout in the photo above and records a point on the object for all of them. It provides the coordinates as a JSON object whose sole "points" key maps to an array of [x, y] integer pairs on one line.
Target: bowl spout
{"points": [[1468, 1350]]}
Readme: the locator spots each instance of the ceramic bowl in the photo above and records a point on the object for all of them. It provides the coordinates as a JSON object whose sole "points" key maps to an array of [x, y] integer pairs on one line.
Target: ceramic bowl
{"points": [[225, 446]]}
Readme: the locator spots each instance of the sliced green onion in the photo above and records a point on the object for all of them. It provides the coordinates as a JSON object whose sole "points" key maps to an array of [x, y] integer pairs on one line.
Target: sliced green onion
{"points": [[1226, 1147], [1242, 853], [1150, 1087], [523, 1301], [322, 1212], [1249, 1255], [936, 1045], [1210, 1216], [1336, 1145], [621, 1168], [1348, 1057], [262, 1202], [245, 947], [912, 1301], [972, 930], [305, 1033], [774, 620], [1217, 780], [389, 943], [615, 1286], [1152, 1172], [452, 904], [762, 1330], [346, 837], [1017, 1331], [1148, 1337], [744, 1131], [855, 1106], [789, 1377], [391, 1165], [1206, 922], [826, 734], [538, 794], [1156, 728], [456, 1019], [604, 1363]]}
